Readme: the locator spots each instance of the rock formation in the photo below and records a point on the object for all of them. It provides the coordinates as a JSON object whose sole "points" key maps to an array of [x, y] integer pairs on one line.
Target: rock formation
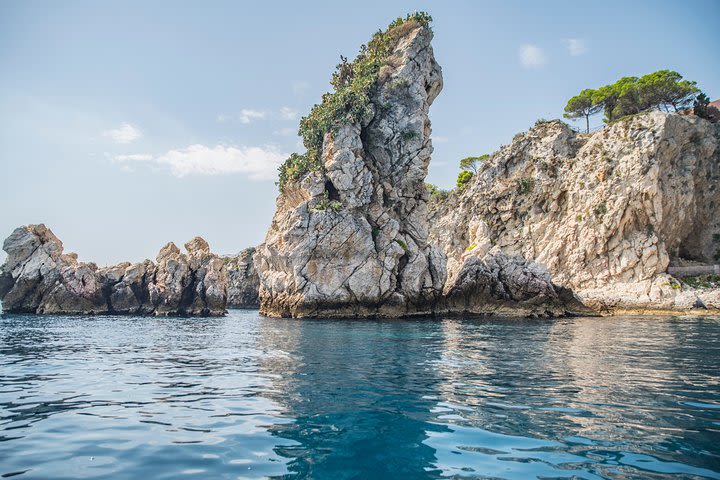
{"points": [[350, 238], [243, 283], [604, 214], [38, 278]]}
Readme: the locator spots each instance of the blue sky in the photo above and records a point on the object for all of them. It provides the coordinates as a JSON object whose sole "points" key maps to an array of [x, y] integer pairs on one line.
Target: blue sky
{"points": [[124, 125]]}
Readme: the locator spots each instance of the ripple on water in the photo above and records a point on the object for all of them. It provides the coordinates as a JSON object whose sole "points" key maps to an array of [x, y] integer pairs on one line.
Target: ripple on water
{"points": [[251, 397]]}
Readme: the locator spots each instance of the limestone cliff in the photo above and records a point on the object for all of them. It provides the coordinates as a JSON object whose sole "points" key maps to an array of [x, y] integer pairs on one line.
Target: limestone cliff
{"points": [[352, 238], [243, 283], [604, 214], [38, 278]]}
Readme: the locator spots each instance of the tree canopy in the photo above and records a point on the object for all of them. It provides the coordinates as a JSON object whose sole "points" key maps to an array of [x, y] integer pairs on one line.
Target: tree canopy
{"points": [[662, 90], [470, 164], [583, 105]]}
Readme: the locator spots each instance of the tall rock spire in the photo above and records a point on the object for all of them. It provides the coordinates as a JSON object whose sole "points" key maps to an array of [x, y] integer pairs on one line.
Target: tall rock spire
{"points": [[350, 233]]}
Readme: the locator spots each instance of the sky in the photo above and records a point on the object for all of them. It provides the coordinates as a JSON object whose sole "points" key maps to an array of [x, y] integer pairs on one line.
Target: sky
{"points": [[125, 125]]}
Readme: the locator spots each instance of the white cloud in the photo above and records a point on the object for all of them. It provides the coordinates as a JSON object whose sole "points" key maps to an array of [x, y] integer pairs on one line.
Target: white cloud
{"points": [[532, 56], [258, 163], [576, 46], [125, 133], [140, 157], [288, 113], [440, 139], [247, 115]]}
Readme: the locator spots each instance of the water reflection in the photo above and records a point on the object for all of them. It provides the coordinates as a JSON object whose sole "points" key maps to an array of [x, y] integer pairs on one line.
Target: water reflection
{"points": [[600, 399], [360, 396], [246, 396]]}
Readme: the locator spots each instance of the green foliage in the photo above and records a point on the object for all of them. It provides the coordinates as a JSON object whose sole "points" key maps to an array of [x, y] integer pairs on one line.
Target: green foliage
{"points": [[409, 135], [525, 185], [470, 164], [583, 105], [578, 218], [402, 244], [296, 166], [666, 88], [471, 246], [702, 281], [326, 204], [662, 90], [463, 179], [436, 193], [600, 209], [349, 102], [700, 106]]}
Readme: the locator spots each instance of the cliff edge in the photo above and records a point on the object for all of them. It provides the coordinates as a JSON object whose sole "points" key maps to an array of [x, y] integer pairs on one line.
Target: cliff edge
{"points": [[606, 214]]}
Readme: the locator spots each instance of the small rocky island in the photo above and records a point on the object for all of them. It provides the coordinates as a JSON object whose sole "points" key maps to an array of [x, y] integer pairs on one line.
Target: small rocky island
{"points": [[555, 223]]}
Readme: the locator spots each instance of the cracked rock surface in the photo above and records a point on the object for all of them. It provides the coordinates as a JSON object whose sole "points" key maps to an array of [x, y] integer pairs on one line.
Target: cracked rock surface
{"points": [[38, 278], [243, 283], [604, 214], [370, 255]]}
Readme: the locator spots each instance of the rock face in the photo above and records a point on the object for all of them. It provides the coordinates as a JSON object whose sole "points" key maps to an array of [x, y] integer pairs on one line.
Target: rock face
{"points": [[243, 283], [38, 278], [367, 253], [604, 214], [352, 240]]}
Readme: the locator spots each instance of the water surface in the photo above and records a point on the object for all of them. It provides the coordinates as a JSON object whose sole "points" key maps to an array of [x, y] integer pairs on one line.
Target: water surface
{"points": [[247, 397]]}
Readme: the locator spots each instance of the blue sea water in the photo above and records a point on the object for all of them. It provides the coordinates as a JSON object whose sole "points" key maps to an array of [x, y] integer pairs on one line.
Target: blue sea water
{"points": [[247, 397]]}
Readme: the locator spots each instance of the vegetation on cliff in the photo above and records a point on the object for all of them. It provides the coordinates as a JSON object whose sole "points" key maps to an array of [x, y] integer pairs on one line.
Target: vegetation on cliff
{"points": [[349, 102], [661, 90]]}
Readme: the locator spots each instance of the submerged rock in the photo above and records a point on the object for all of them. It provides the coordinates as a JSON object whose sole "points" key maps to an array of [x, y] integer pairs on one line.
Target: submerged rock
{"points": [[605, 213], [37, 278]]}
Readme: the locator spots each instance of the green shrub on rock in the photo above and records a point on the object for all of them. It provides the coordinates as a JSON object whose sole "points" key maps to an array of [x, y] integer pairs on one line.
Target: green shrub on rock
{"points": [[349, 102], [463, 179]]}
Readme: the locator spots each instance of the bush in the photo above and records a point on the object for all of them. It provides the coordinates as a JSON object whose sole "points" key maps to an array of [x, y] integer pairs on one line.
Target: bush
{"points": [[436, 193], [325, 203], [463, 179], [525, 185], [600, 209], [296, 166]]}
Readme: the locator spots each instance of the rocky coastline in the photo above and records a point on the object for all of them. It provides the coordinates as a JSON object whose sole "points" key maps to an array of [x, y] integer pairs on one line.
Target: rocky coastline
{"points": [[554, 223], [37, 277]]}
